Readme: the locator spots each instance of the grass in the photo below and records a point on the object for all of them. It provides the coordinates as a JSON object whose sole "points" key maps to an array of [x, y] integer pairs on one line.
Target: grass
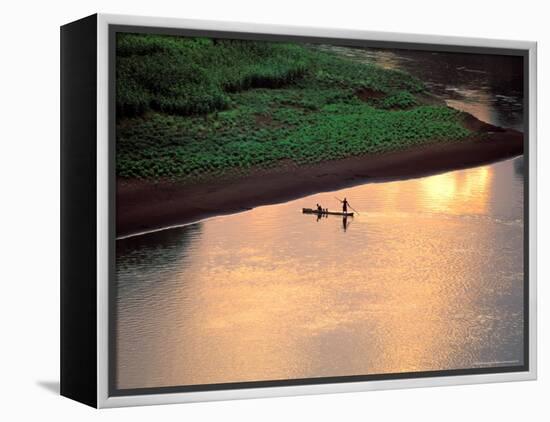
{"points": [[189, 108]]}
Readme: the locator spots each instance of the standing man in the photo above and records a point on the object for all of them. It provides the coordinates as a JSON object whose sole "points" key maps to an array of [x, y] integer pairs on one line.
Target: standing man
{"points": [[345, 205]]}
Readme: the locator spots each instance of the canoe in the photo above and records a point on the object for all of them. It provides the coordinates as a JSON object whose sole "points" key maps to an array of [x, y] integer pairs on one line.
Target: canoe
{"points": [[314, 211]]}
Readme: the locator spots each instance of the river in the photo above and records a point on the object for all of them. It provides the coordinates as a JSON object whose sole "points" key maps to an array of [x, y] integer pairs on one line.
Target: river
{"points": [[428, 276]]}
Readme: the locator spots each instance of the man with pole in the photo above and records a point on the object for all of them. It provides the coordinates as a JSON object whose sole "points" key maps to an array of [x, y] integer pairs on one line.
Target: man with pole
{"points": [[345, 205]]}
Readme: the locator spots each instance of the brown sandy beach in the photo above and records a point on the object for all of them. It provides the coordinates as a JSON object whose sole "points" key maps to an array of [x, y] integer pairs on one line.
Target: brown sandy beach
{"points": [[143, 205]]}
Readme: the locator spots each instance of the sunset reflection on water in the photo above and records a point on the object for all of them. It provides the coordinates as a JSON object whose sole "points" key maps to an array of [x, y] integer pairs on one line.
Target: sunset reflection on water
{"points": [[427, 277], [457, 193]]}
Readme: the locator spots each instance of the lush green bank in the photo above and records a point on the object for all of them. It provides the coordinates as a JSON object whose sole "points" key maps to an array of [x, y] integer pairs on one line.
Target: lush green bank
{"points": [[190, 107]]}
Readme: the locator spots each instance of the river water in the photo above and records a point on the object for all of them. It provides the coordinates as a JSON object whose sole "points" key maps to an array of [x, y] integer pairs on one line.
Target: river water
{"points": [[428, 276]]}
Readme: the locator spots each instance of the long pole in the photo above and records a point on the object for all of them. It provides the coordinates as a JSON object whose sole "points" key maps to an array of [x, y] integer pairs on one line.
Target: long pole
{"points": [[348, 205]]}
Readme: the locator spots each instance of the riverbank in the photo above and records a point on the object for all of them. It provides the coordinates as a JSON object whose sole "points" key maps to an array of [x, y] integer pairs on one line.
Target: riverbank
{"points": [[268, 122], [149, 205]]}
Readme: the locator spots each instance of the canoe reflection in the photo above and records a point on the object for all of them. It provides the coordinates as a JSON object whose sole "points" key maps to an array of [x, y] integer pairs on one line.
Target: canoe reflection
{"points": [[345, 222]]}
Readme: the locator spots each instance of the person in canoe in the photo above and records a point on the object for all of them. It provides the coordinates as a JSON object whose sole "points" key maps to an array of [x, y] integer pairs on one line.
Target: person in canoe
{"points": [[345, 204], [319, 209]]}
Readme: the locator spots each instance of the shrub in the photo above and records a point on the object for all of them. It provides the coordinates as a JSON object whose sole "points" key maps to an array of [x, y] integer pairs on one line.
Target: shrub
{"points": [[401, 99]]}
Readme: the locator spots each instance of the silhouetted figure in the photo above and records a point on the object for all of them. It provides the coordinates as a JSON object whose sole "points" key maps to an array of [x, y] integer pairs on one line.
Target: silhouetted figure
{"points": [[319, 209], [344, 205]]}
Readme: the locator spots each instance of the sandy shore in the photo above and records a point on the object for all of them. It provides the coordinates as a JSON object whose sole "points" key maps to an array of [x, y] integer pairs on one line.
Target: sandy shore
{"points": [[143, 206]]}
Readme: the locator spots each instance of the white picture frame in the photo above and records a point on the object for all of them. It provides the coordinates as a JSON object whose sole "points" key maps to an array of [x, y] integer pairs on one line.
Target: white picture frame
{"points": [[103, 217]]}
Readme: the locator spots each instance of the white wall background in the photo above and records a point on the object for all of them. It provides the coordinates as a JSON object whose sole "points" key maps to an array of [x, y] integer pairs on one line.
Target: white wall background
{"points": [[29, 173]]}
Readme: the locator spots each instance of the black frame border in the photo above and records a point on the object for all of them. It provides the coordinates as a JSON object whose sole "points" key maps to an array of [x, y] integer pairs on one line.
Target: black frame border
{"points": [[78, 210], [113, 29]]}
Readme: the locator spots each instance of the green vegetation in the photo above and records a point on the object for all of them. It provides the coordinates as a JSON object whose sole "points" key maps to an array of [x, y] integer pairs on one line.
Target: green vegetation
{"points": [[195, 107], [401, 99]]}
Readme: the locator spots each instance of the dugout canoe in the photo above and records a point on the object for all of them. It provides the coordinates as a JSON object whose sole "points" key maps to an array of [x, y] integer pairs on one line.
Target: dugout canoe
{"points": [[314, 211]]}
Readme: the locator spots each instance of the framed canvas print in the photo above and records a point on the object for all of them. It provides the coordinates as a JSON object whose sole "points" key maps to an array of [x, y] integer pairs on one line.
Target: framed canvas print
{"points": [[252, 210]]}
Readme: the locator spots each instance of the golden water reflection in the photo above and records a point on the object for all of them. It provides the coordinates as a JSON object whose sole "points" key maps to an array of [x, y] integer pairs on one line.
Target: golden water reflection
{"points": [[455, 193], [427, 277]]}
